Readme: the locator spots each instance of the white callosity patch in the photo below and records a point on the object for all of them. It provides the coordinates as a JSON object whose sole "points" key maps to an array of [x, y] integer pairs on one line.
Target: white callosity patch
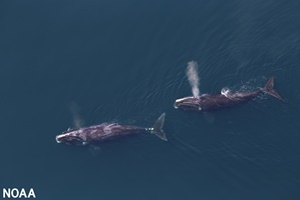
{"points": [[81, 135], [57, 139], [62, 136], [78, 133], [178, 101], [184, 99], [226, 92], [107, 129], [94, 131]]}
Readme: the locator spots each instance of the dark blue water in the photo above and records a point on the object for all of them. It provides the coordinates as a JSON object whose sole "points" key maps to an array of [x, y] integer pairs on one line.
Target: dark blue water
{"points": [[125, 61]]}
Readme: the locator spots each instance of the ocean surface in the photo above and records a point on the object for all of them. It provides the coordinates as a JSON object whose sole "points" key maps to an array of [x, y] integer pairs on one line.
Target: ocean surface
{"points": [[64, 62]]}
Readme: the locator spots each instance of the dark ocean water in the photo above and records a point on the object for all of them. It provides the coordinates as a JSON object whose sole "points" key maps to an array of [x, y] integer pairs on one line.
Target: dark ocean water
{"points": [[124, 61]]}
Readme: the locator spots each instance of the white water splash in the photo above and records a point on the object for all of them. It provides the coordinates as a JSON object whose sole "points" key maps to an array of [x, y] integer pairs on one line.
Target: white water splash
{"points": [[192, 74], [77, 120]]}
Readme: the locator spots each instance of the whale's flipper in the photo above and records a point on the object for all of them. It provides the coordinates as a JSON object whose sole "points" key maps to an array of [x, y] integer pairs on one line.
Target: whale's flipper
{"points": [[157, 127], [269, 89]]}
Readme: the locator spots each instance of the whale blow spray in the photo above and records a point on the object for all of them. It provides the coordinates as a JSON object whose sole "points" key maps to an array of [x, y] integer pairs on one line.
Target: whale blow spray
{"points": [[192, 74]]}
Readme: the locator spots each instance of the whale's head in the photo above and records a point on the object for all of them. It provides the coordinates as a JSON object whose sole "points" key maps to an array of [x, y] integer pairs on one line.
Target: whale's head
{"points": [[71, 137], [188, 103]]}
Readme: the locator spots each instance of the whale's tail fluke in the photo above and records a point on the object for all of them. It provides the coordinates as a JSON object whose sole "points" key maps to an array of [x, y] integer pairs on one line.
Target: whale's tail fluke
{"points": [[269, 89], [157, 128]]}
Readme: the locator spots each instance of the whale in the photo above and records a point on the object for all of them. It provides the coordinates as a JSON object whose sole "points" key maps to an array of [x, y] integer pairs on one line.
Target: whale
{"points": [[211, 102], [96, 134]]}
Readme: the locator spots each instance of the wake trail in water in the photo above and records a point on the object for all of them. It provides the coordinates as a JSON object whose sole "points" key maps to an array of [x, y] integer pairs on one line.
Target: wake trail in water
{"points": [[192, 74]]}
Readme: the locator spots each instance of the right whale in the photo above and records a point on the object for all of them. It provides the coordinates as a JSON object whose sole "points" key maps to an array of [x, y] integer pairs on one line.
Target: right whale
{"points": [[223, 100]]}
